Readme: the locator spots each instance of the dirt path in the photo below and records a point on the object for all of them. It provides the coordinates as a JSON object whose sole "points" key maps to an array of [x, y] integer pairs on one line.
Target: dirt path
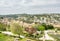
{"points": [[46, 36]]}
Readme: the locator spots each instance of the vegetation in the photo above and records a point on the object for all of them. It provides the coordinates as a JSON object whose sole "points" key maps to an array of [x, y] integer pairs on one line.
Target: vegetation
{"points": [[40, 28], [16, 28], [5, 38], [47, 26], [2, 27], [32, 32]]}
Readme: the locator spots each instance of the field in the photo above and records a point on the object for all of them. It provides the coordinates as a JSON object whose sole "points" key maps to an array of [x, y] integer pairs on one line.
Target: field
{"points": [[9, 38], [5, 38]]}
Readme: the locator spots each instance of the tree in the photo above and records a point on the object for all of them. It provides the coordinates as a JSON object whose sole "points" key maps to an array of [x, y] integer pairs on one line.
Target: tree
{"points": [[50, 27], [47, 26], [1, 17], [2, 27], [40, 28], [16, 28]]}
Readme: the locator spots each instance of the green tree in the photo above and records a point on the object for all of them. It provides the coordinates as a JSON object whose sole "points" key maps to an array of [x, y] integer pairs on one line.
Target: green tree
{"points": [[16, 28], [50, 27], [40, 28], [47, 26]]}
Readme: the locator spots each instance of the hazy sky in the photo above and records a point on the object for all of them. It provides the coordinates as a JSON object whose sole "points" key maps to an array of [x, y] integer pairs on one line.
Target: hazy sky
{"points": [[29, 6]]}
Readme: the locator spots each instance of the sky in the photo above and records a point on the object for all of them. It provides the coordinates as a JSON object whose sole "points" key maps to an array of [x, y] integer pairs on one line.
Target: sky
{"points": [[29, 6]]}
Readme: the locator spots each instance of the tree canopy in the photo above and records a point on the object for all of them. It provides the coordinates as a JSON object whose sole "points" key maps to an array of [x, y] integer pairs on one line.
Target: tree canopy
{"points": [[16, 28], [40, 28]]}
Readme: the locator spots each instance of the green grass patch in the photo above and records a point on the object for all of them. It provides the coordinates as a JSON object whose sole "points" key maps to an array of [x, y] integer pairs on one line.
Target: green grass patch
{"points": [[5, 38], [25, 39]]}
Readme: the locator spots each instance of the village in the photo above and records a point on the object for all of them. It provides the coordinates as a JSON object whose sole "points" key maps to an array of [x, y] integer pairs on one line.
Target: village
{"points": [[31, 28]]}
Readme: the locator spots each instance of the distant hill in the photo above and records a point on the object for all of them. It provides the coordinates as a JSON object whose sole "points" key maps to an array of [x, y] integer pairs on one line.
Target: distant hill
{"points": [[27, 15], [15, 15]]}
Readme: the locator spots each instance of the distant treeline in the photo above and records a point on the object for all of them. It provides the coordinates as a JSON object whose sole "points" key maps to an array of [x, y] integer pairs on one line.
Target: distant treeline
{"points": [[27, 15]]}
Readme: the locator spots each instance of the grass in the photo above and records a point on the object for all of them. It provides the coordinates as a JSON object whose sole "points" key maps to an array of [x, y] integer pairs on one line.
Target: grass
{"points": [[9, 38], [25, 39], [5, 38]]}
